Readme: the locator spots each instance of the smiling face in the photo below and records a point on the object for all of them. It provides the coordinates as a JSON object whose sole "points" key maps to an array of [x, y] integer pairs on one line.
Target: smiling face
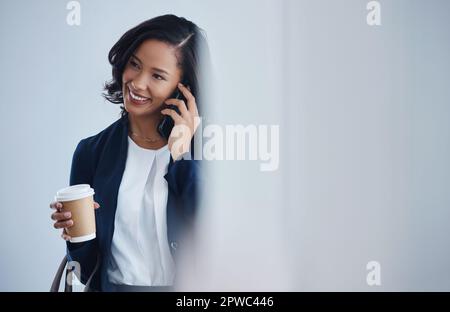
{"points": [[149, 78]]}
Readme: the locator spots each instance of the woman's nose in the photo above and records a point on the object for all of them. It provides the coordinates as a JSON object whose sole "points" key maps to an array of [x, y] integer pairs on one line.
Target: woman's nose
{"points": [[134, 86], [139, 83]]}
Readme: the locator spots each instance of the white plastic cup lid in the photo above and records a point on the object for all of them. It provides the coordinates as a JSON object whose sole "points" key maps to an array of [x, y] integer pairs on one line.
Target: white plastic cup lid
{"points": [[74, 192]]}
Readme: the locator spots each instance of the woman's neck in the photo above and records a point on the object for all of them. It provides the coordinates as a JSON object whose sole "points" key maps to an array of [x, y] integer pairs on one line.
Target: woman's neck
{"points": [[146, 127]]}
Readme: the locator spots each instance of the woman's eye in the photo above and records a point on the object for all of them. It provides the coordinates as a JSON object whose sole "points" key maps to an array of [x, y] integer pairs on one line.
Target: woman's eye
{"points": [[158, 77], [134, 64]]}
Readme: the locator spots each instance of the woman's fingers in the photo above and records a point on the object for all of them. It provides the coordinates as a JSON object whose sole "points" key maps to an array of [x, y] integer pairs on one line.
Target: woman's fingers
{"points": [[191, 104], [65, 215], [61, 216], [56, 205], [65, 236], [63, 224], [176, 118], [181, 106]]}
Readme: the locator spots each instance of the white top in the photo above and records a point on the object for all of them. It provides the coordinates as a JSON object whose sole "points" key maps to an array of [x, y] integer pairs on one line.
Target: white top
{"points": [[140, 248]]}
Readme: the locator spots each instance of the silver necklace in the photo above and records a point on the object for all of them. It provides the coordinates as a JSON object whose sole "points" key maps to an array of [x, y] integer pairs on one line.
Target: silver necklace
{"points": [[150, 140]]}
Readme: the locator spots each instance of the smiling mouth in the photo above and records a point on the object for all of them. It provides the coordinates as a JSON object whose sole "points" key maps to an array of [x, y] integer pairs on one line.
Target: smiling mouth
{"points": [[137, 98]]}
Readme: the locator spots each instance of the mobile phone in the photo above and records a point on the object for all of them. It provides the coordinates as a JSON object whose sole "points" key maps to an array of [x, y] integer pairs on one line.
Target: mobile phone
{"points": [[166, 125]]}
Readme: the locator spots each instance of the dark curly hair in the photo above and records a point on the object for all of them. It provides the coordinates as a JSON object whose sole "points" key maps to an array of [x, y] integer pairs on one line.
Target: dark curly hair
{"points": [[190, 43]]}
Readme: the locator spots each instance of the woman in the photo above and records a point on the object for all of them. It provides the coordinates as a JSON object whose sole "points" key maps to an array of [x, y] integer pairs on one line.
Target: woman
{"points": [[145, 182]]}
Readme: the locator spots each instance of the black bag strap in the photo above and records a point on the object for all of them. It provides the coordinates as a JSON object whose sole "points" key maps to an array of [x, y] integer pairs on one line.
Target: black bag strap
{"points": [[58, 275], [68, 287]]}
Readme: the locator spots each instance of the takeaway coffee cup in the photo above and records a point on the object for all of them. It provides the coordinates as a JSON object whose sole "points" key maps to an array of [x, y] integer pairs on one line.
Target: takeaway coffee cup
{"points": [[79, 200]]}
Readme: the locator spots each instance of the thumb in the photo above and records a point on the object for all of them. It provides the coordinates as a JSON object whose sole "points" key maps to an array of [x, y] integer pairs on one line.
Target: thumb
{"points": [[96, 205]]}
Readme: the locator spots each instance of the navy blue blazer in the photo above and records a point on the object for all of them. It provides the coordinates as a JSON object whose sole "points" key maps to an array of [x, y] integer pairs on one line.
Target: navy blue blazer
{"points": [[100, 160]]}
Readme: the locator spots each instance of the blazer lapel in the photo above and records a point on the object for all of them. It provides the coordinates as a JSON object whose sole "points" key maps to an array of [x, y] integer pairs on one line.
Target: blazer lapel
{"points": [[111, 167]]}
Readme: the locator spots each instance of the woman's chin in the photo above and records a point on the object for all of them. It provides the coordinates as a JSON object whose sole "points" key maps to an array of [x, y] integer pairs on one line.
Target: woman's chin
{"points": [[141, 110]]}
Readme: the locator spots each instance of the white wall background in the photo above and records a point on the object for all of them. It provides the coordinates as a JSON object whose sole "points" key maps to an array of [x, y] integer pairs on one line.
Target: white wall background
{"points": [[368, 155]]}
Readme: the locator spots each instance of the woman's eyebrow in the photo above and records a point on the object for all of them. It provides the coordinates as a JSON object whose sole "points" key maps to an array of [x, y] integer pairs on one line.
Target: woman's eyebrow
{"points": [[154, 68], [160, 70], [133, 55]]}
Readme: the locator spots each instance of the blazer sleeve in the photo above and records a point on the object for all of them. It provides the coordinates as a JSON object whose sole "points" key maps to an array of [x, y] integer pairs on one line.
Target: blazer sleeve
{"points": [[81, 172], [184, 180]]}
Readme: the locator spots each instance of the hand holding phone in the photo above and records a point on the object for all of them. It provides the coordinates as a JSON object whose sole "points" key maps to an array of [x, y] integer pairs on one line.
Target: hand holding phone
{"points": [[166, 125]]}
